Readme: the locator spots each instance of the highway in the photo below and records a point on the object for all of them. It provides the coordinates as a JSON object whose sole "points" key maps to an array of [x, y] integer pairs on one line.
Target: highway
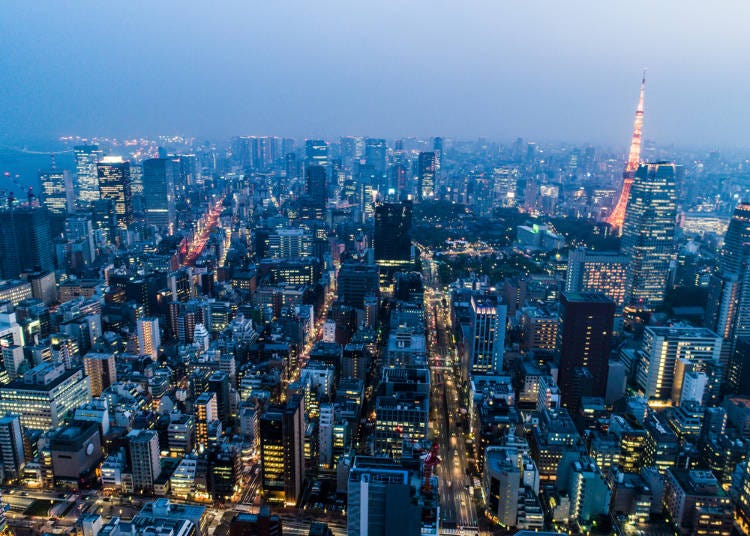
{"points": [[456, 503]]}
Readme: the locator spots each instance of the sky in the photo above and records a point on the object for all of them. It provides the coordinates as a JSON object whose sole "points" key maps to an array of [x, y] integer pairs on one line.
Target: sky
{"points": [[543, 70]]}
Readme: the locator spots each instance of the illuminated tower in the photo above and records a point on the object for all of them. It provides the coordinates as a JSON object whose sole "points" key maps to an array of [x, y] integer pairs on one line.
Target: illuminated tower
{"points": [[617, 218]]}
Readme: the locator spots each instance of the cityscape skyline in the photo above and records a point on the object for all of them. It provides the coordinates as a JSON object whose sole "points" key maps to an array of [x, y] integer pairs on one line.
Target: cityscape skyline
{"points": [[458, 73]]}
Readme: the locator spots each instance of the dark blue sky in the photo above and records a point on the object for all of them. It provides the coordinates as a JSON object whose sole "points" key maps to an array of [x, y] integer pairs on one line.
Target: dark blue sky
{"points": [[553, 70]]}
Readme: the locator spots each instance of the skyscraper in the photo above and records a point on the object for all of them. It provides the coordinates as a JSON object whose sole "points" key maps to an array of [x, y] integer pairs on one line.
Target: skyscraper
{"points": [[427, 165], [158, 191], [375, 153], [57, 190], [584, 341], [728, 305], [281, 429], [114, 184], [488, 334], [648, 235], [315, 185], [25, 241], [87, 178], [392, 238], [206, 412], [316, 153]]}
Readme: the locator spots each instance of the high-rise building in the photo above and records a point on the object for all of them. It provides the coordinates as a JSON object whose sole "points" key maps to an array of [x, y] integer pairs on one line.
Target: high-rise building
{"points": [[728, 305], [100, 367], [25, 242], [206, 412], [144, 459], [584, 341], [375, 156], [57, 190], [218, 383], [316, 152], [505, 184], [315, 185], [488, 318], [597, 271], [281, 429], [87, 178], [45, 395], [697, 504], [648, 235], [115, 185], [427, 164], [11, 448], [661, 367], [149, 337], [159, 191], [392, 239]]}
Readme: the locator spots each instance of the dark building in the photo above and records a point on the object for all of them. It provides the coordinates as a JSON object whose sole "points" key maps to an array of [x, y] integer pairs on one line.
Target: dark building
{"points": [[375, 152], [392, 238], [115, 185], [219, 383], [25, 242], [426, 175], [315, 185], [158, 191], [281, 429], [355, 282], [260, 524], [584, 340]]}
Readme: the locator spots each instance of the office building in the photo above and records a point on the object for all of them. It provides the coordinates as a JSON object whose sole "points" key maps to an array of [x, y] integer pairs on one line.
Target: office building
{"points": [[149, 337], [159, 192], [663, 349], [11, 448], [15, 291], [218, 383], [115, 186], [315, 185], [25, 241], [728, 305], [696, 503], [427, 164], [44, 395], [316, 153], [375, 156], [356, 282], [100, 368], [87, 178], [488, 318], [57, 190], [392, 239], [597, 271], [584, 341], [384, 499], [144, 459], [281, 429], [648, 235], [260, 524]]}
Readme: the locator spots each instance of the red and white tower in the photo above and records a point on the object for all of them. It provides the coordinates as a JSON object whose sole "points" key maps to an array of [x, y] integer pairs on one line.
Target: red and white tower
{"points": [[617, 217]]}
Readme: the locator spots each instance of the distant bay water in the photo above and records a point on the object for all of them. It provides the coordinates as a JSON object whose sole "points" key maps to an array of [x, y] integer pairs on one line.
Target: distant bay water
{"points": [[20, 166]]}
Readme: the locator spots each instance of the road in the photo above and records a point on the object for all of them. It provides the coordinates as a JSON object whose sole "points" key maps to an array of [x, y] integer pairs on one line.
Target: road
{"points": [[456, 503]]}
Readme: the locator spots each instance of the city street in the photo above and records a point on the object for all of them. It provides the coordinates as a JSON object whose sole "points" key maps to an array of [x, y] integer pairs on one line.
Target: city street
{"points": [[456, 502]]}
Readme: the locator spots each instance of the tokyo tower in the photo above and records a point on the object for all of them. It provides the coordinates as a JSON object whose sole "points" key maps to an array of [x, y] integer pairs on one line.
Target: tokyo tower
{"points": [[617, 217]]}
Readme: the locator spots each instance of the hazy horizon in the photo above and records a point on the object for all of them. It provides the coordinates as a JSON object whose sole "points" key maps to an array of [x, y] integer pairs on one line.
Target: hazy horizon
{"points": [[548, 71]]}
